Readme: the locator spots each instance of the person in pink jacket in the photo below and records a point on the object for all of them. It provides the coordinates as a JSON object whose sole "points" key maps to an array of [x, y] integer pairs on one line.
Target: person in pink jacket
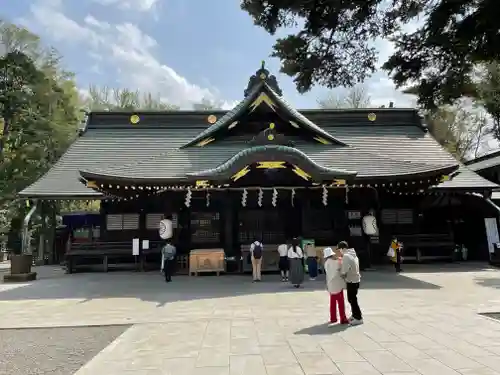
{"points": [[335, 285]]}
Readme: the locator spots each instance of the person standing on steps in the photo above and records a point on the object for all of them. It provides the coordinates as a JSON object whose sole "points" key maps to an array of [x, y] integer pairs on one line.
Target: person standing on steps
{"points": [[283, 262], [168, 252], [350, 272], [256, 250], [296, 258]]}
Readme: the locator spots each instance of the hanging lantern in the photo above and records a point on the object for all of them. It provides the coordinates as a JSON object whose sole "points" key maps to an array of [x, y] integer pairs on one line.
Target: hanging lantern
{"points": [[370, 226], [293, 197], [244, 196], [208, 199], [325, 196], [274, 198], [165, 229], [187, 201], [260, 197]]}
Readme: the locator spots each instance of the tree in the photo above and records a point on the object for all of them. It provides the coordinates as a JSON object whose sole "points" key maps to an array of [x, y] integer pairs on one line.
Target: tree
{"points": [[487, 93], [38, 114], [105, 98], [35, 115], [207, 105], [333, 45], [460, 129], [356, 97]]}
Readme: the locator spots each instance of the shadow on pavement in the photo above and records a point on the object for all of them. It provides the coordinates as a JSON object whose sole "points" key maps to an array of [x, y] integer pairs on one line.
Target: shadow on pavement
{"points": [[150, 286], [446, 267], [488, 282], [322, 329]]}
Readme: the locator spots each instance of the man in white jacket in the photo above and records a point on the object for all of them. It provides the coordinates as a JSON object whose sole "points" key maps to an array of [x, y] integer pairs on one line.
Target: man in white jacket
{"points": [[335, 285], [352, 277]]}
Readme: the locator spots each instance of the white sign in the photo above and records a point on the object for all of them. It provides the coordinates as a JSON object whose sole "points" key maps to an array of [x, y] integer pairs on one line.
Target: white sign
{"points": [[145, 244], [135, 246], [491, 232]]}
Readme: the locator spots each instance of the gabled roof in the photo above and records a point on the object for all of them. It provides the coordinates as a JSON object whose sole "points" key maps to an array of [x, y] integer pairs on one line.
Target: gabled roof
{"points": [[484, 162], [393, 145], [466, 179], [258, 95]]}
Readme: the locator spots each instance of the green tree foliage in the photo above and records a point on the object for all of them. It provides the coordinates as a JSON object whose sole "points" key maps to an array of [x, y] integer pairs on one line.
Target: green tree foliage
{"points": [[34, 109], [334, 42], [38, 114]]}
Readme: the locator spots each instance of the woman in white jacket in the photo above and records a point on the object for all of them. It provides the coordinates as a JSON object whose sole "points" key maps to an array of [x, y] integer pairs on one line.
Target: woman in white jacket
{"points": [[335, 285]]}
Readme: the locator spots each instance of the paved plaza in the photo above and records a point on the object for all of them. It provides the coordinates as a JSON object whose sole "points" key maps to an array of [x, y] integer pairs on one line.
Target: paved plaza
{"points": [[424, 321]]}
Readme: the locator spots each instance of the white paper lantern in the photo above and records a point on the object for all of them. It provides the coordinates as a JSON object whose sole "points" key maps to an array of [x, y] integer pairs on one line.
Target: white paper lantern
{"points": [[165, 229], [370, 225]]}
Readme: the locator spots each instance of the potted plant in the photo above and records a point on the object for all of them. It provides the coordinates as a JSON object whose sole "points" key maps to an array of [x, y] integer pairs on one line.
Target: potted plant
{"points": [[20, 264]]}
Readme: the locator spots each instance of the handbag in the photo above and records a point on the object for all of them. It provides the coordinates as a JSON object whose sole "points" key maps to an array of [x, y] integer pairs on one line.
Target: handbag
{"points": [[391, 253]]}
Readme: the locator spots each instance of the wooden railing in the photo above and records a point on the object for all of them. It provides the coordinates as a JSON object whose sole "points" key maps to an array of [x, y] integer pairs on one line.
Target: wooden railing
{"points": [[120, 252], [427, 246]]}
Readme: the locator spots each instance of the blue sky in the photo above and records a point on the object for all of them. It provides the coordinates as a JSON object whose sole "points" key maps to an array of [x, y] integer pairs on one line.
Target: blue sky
{"points": [[182, 50]]}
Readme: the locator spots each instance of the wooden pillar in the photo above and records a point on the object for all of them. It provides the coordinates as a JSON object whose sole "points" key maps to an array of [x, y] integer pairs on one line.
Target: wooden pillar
{"points": [[229, 224]]}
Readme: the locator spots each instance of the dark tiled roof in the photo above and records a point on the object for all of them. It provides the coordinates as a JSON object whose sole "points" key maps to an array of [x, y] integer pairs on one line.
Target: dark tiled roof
{"points": [[392, 146], [484, 162], [466, 179], [242, 106]]}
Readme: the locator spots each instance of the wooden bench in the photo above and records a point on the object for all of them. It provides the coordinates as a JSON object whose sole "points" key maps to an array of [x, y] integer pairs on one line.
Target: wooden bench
{"points": [[421, 247], [83, 253]]}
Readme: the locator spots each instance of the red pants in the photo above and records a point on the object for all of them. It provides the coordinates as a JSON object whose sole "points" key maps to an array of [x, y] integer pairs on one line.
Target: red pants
{"points": [[337, 299]]}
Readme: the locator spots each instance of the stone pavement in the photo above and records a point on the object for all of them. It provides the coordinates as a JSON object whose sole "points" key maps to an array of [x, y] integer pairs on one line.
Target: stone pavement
{"points": [[424, 321]]}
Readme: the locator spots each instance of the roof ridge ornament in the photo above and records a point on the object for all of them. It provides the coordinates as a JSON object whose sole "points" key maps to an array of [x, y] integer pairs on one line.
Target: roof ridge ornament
{"points": [[263, 75]]}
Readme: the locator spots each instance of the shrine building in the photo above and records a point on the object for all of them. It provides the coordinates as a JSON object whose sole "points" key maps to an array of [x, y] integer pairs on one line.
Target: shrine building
{"points": [[266, 171]]}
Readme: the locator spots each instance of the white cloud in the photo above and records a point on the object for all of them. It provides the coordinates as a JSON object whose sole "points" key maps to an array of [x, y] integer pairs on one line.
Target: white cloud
{"points": [[121, 47], [135, 5]]}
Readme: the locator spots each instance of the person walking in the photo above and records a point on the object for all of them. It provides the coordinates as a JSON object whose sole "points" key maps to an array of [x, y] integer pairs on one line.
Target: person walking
{"points": [[168, 252], [256, 250], [350, 273], [296, 259], [335, 285], [283, 264]]}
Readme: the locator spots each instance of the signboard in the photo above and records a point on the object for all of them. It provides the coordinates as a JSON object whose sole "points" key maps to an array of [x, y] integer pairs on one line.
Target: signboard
{"points": [[135, 246]]}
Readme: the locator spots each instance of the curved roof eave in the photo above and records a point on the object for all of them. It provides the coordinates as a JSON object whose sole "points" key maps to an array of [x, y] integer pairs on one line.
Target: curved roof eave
{"points": [[270, 153]]}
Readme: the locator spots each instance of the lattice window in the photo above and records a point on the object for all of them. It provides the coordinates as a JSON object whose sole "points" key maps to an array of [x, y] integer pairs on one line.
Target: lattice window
{"points": [[114, 222], [397, 216], [131, 221], [318, 224], [153, 221], [263, 225], [122, 222], [205, 227]]}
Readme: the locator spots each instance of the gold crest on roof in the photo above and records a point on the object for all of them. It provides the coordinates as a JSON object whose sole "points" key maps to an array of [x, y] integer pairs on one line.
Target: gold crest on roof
{"points": [[134, 119], [212, 119], [372, 116]]}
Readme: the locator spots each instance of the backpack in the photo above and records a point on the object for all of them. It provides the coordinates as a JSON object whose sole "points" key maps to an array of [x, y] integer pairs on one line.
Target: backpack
{"points": [[257, 250]]}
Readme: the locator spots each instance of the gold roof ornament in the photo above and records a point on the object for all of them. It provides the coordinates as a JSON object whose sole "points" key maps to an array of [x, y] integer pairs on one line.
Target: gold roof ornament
{"points": [[270, 137], [271, 125], [134, 119], [212, 119], [372, 116]]}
